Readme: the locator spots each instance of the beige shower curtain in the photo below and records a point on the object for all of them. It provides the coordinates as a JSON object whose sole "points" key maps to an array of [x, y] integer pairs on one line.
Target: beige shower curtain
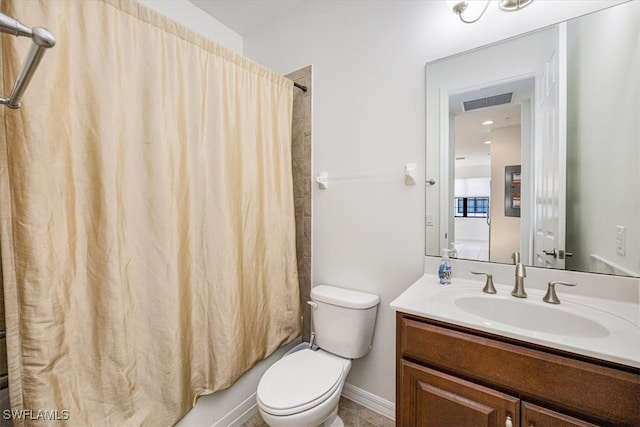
{"points": [[146, 216]]}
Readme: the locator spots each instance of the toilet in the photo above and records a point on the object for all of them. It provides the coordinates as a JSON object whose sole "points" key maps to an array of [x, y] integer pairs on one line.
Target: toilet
{"points": [[303, 388]]}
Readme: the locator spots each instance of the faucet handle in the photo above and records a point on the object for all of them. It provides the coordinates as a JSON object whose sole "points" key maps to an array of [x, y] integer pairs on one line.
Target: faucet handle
{"points": [[551, 297], [488, 286]]}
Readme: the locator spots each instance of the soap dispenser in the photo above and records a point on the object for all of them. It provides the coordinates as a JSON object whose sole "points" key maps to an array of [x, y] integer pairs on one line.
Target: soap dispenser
{"points": [[444, 270]]}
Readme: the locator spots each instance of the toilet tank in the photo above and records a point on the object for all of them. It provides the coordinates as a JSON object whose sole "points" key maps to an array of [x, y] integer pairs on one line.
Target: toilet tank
{"points": [[343, 320]]}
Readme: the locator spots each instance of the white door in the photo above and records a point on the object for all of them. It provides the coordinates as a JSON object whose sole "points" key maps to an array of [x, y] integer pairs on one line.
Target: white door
{"points": [[550, 155]]}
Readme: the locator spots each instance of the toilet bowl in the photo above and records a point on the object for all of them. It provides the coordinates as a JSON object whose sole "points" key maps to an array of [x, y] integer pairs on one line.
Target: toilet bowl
{"points": [[303, 388]]}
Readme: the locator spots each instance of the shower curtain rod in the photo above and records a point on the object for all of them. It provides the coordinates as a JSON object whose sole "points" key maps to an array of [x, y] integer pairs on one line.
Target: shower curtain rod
{"points": [[42, 39], [299, 86]]}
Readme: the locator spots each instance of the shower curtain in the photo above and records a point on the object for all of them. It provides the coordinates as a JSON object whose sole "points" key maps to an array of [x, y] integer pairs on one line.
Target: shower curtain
{"points": [[147, 226]]}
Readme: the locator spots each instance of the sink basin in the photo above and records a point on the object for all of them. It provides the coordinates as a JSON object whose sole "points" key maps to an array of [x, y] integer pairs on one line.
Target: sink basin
{"points": [[532, 315], [600, 328]]}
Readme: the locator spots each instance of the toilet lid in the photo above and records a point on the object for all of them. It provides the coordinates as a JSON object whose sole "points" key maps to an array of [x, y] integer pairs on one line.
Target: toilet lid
{"points": [[298, 382]]}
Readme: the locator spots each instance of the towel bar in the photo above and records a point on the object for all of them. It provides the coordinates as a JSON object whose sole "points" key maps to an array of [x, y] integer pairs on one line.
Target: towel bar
{"points": [[42, 40]]}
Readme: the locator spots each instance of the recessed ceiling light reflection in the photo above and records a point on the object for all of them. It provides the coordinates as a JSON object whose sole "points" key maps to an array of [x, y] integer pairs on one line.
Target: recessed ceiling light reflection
{"points": [[487, 142], [487, 122]]}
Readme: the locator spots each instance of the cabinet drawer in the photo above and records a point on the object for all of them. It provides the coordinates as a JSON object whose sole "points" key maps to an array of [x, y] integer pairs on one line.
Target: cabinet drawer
{"points": [[599, 392], [536, 416]]}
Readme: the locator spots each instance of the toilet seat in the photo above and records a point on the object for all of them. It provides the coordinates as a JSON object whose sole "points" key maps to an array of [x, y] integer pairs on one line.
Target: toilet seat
{"points": [[299, 381]]}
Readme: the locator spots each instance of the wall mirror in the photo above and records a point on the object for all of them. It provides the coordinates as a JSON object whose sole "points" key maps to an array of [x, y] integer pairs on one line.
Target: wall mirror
{"points": [[533, 145]]}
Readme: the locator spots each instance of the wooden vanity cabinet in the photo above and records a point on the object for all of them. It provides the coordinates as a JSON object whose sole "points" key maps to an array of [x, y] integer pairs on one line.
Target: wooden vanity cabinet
{"points": [[448, 375], [443, 400], [534, 415]]}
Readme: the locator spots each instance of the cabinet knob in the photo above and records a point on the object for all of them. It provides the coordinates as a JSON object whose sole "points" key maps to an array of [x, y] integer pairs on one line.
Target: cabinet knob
{"points": [[508, 422]]}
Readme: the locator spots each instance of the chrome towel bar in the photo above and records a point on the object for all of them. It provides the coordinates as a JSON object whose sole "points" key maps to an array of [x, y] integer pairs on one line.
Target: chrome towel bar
{"points": [[42, 39]]}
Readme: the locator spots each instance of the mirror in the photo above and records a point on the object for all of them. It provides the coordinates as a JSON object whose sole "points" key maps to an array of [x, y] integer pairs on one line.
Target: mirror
{"points": [[559, 181]]}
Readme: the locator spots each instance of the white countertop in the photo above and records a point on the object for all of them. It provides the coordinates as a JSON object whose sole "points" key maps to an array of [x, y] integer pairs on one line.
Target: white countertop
{"points": [[427, 298]]}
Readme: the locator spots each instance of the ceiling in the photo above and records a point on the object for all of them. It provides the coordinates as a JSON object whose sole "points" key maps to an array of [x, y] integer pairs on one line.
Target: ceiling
{"points": [[470, 133], [246, 16]]}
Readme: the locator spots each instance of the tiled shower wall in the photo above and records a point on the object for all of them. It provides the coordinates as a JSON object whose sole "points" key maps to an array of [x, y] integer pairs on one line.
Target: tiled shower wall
{"points": [[301, 157]]}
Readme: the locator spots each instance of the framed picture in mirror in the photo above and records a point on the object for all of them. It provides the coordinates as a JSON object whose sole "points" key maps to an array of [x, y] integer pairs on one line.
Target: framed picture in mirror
{"points": [[512, 186]]}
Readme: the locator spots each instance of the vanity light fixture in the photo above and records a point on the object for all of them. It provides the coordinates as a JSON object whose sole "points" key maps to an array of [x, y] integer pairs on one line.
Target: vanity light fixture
{"points": [[460, 6], [512, 5]]}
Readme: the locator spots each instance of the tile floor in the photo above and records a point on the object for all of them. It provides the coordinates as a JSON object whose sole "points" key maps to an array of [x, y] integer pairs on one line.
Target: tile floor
{"points": [[353, 415]]}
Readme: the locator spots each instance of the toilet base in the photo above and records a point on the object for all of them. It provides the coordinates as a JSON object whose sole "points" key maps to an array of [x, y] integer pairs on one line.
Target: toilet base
{"points": [[337, 422], [333, 420]]}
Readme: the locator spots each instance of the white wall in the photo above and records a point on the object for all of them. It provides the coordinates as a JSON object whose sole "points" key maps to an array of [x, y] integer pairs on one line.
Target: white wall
{"points": [[482, 171], [473, 186], [368, 121], [193, 17], [505, 230], [475, 229]]}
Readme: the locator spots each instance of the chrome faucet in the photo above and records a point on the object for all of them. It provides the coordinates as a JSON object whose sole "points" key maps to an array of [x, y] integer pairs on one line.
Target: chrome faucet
{"points": [[521, 273], [551, 297], [488, 285]]}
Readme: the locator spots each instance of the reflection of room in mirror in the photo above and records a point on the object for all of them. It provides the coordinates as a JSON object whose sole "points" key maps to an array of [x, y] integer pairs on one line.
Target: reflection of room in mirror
{"points": [[472, 249], [578, 151]]}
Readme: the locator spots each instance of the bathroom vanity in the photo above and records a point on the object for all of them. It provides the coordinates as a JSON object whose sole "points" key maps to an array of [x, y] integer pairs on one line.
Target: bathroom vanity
{"points": [[459, 366]]}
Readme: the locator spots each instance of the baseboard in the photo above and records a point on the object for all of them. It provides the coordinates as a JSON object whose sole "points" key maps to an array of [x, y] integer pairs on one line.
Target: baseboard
{"points": [[370, 401], [239, 414]]}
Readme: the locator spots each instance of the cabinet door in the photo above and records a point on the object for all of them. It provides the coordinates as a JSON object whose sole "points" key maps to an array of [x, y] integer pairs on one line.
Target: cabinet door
{"points": [[431, 398], [536, 416]]}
